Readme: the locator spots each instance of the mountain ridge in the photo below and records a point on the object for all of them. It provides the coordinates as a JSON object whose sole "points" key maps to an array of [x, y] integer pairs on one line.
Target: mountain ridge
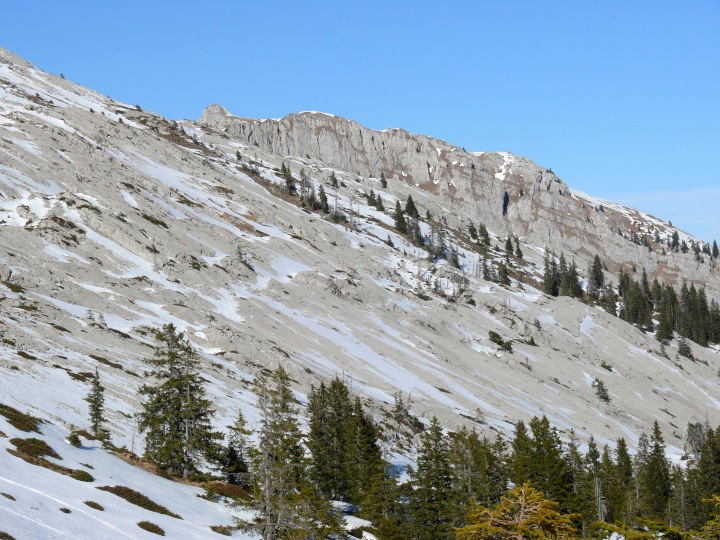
{"points": [[115, 221]]}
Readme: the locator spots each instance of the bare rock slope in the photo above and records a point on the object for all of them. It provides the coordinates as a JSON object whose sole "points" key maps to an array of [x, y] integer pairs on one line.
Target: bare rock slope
{"points": [[114, 220]]}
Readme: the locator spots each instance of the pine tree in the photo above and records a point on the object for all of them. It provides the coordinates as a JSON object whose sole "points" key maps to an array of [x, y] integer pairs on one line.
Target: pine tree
{"points": [[96, 407], [410, 208], [472, 231], [234, 462], [333, 180], [400, 224], [524, 513], [508, 248], [367, 475], [176, 415], [596, 278], [655, 479], [324, 206], [518, 251], [383, 180], [480, 467], [379, 203], [715, 251], [278, 460], [330, 410], [432, 512]]}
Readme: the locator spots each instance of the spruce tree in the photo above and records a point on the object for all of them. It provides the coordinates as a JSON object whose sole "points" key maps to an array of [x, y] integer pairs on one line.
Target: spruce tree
{"points": [[432, 509], [234, 462], [96, 407], [400, 223], [596, 278], [278, 461], [508, 248], [330, 411], [383, 180], [472, 231], [715, 251], [655, 479], [410, 208], [176, 416]]}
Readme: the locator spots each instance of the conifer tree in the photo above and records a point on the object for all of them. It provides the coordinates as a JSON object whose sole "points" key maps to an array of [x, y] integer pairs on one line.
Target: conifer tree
{"points": [[518, 251], [596, 278], [234, 462], [715, 251], [176, 415], [432, 509], [399, 217], [324, 206], [383, 180], [379, 203], [480, 467], [96, 407], [508, 248], [330, 410], [472, 231], [524, 513], [410, 208], [655, 479], [284, 501]]}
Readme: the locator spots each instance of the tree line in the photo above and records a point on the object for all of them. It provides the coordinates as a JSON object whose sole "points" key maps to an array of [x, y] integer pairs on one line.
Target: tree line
{"points": [[464, 484]]}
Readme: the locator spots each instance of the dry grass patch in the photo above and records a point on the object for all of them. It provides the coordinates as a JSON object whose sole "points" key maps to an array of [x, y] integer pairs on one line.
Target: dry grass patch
{"points": [[138, 499], [151, 527], [96, 506], [21, 421], [34, 450]]}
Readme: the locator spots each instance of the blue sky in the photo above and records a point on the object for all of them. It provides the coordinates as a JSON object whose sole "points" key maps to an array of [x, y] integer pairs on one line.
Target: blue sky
{"points": [[620, 99]]}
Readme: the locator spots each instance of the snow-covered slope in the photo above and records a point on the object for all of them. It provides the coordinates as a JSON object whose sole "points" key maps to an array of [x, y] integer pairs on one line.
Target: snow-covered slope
{"points": [[114, 221]]}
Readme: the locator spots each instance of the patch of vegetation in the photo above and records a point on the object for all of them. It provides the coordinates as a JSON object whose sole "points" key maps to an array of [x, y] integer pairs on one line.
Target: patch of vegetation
{"points": [[8, 496], [6, 536], [33, 451], [65, 510], [21, 421], [81, 476], [59, 328], [225, 530], [34, 447], [28, 307], [151, 527], [105, 361], [500, 342], [14, 287], [96, 506], [155, 221], [120, 333], [74, 439], [231, 491], [26, 355], [7, 341], [601, 390], [605, 365], [138, 499]]}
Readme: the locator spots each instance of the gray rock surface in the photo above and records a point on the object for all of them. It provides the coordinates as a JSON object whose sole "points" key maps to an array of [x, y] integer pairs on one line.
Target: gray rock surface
{"points": [[114, 221]]}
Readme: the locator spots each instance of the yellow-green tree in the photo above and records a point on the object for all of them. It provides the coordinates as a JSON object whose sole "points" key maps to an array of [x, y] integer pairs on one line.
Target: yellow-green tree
{"points": [[523, 514], [711, 530]]}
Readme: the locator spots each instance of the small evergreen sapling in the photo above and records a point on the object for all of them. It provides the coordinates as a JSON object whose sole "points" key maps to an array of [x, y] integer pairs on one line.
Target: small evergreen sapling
{"points": [[96, 408]]}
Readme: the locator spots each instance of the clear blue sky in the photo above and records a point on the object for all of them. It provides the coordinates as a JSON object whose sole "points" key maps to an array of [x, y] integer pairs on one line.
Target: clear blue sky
{"points": [[621, 99]]}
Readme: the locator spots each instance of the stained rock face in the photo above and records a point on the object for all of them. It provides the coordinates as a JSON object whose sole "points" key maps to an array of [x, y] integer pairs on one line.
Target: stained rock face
{"points": [[508, 193]]}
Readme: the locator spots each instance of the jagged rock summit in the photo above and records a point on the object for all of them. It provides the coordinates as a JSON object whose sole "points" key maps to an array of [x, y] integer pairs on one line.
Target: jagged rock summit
{"points": [[511, 194]]}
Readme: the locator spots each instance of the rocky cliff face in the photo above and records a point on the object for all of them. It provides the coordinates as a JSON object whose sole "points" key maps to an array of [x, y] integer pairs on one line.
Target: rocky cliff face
{"points": [[508, 193]]}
